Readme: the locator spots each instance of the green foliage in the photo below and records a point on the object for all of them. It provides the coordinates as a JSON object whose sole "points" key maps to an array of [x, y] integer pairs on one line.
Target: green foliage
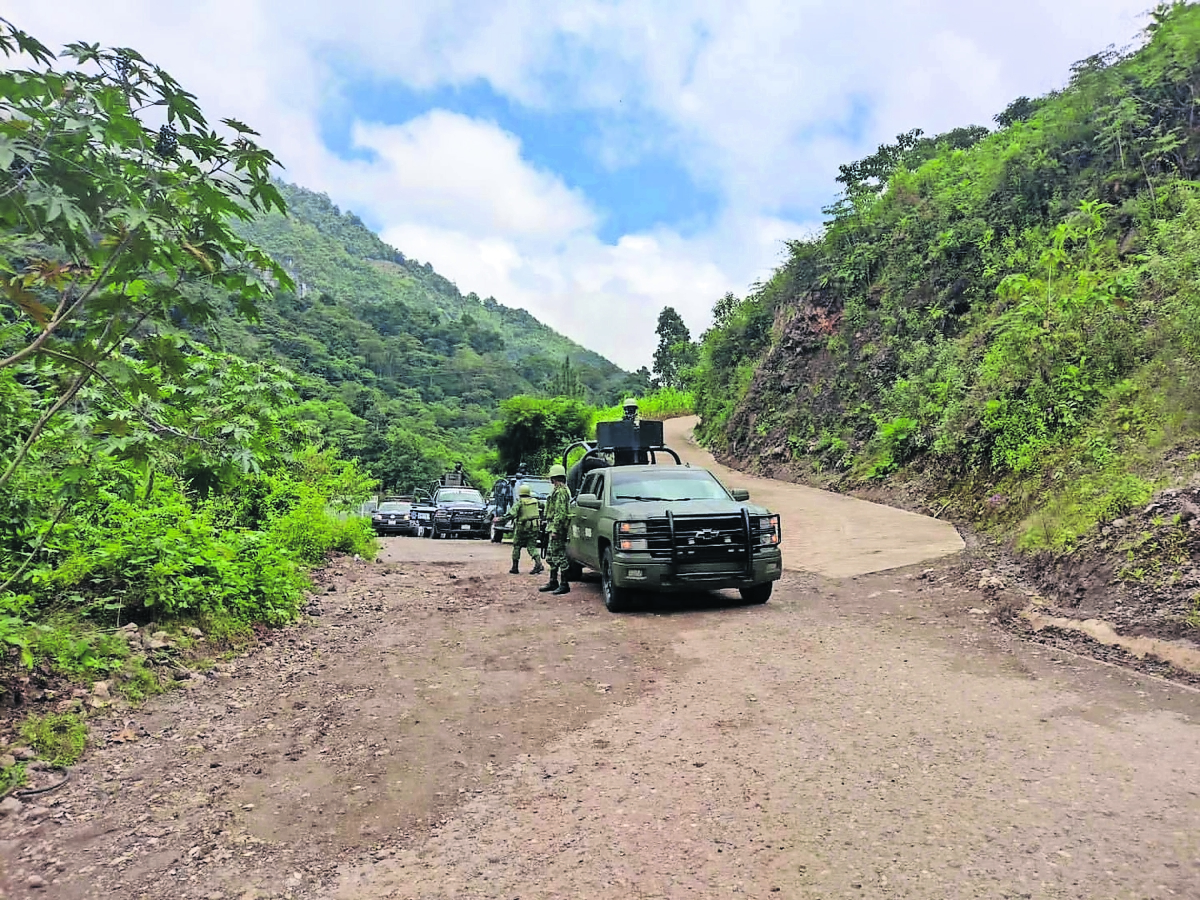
{"points": [[78, 650], [198, 388], [59, 738], [139, 682], [1015, 310], [676, 353], [567, 383], [534, 431], [88, 265], [11, 777], [664, 403], [1092, 498], [893, 445]]}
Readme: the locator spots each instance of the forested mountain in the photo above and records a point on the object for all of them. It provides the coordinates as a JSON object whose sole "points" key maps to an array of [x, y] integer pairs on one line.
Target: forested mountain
{"points": [[204, 371], [1009, 315], [399, 368]]}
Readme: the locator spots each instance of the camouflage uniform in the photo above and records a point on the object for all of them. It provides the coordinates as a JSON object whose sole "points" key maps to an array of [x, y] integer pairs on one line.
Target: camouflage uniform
{"points": [[558, 510], [525, 513]]}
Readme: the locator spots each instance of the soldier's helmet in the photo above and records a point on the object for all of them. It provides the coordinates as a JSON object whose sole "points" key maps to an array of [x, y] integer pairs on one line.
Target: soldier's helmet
{"points": [[629, 402], [525, 490], [557, 471]]}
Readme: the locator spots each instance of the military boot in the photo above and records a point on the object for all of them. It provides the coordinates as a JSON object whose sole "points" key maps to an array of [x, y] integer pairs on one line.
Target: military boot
{"points": [[538, 568], [514, 570], [552, 584], [563, 588]]}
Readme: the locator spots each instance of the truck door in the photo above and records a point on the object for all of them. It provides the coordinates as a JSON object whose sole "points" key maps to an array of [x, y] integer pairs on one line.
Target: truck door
{"points": [[581, 532]]}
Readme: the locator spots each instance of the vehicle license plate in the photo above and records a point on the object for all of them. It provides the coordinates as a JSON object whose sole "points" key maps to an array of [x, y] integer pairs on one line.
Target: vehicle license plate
{"points": [[422, 515], [466, 527]]}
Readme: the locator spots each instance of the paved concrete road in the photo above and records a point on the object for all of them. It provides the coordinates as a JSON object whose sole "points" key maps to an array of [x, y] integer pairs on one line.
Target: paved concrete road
{"points": [[830, 534]]}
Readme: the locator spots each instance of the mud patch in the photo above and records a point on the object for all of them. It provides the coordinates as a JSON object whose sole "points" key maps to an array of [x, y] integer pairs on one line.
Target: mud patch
{"points": [[1180, 657]]}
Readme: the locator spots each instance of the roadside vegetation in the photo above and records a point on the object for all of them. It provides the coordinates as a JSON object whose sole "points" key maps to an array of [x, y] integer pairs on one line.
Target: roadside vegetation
{"points": [[1008, 317], [535, 430], [146, 476], [204, 372]]}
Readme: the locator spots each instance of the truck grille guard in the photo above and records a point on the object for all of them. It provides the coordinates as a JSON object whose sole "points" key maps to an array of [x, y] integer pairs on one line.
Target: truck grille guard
{"points": [[702, 539]]}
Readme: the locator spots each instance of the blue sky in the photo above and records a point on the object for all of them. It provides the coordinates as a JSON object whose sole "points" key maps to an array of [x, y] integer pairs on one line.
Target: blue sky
{"points": [[649, 189], [597, 160]]}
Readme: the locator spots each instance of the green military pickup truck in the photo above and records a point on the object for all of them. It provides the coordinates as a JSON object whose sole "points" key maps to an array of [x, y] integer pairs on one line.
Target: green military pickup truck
{"points": [[671, 528]]}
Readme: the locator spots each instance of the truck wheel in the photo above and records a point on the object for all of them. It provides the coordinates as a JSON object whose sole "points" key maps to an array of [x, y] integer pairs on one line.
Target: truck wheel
{"points": [[615, 599], [497, 534], [574, 571], [757, 593]]}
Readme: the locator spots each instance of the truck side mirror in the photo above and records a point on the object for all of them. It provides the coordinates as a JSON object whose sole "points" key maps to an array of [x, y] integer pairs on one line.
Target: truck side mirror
{"points": [[588, 501], [741, 495]]}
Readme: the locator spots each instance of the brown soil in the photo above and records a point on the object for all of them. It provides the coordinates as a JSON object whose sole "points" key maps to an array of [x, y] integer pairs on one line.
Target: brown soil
{"points": [[442, 730]]}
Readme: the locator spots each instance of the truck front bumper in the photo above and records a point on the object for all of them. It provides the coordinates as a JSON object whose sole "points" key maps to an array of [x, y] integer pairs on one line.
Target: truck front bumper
{"points": [[638, 571]]}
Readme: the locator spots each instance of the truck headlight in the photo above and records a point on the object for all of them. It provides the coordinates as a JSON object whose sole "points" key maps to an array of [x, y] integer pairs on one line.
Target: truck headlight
{"points": [[634, 544], [769, 531], [631, 528]]}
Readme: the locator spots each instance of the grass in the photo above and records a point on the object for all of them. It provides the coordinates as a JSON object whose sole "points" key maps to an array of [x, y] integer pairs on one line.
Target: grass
{"points": [[665, 403], [140, 682], [11, 777], [59, 738]]}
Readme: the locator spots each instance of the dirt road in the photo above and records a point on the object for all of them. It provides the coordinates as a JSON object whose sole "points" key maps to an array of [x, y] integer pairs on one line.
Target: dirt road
{"points": [[829, 534], [441, 730]]}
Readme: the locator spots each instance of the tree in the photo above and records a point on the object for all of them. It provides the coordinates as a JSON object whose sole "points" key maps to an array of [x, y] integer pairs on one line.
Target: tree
{"points": [[723, 309], [566, 382], [1020, 110], [535, 431], [114, 231], [675, 349]]}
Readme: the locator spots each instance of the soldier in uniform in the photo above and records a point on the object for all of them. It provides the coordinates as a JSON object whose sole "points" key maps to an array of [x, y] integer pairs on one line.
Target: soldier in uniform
{"points": [[630, 407], [558, 510], [525, 513], [631, 456]]}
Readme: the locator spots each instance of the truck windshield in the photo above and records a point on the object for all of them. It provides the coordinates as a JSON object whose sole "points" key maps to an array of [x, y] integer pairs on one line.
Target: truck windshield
{"points": [[459, 497], [540, 489], [685, 484]]}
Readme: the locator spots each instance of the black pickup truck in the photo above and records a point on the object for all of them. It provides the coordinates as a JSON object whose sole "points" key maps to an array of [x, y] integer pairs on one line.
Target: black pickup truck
{"points": [[459, 512]]}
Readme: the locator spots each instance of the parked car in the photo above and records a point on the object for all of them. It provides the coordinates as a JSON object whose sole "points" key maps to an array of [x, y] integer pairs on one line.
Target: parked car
{"points": [[503, 492], [459, 512], [394, 517]]}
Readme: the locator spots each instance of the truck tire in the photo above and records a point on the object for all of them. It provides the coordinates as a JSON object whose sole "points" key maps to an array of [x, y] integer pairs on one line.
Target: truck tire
{"points": [[615, 599], [757, 593]]}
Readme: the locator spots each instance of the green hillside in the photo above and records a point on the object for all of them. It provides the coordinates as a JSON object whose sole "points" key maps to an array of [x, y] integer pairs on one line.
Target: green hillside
{"points": [[400, 369], [332, 252], [1007, 320]]}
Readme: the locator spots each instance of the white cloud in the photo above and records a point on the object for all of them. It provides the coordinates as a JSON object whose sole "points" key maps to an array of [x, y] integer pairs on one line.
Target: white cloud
{"points": [[449, 171], [755, 97]]}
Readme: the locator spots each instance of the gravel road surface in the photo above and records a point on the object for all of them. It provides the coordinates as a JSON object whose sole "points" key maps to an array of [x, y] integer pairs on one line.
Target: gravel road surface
{"points": [[442, 730]]}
